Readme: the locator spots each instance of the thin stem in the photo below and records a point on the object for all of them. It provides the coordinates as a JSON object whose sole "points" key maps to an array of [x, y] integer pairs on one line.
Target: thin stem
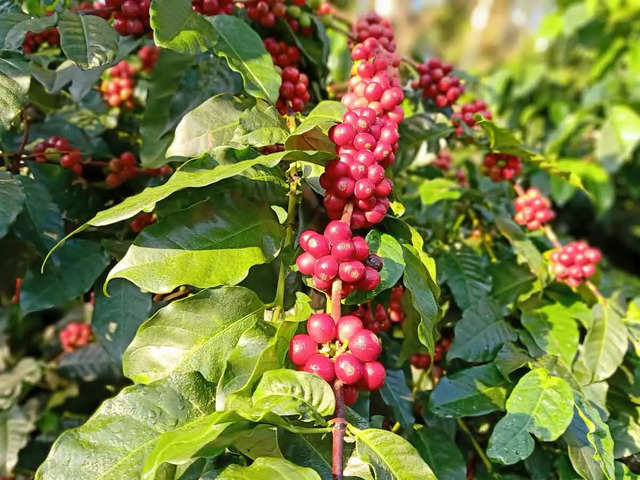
{"points": [[476, 446], [96, 11], [339, 427], [551, 235], [306, 431], [344, 31], [518, 188], [596, 293], [341, 17], [288, 238]]}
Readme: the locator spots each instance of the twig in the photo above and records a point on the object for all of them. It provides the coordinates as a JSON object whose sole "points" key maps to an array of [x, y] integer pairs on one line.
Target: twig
{"points": [[476, 446], [596, 293], [551, 235]]}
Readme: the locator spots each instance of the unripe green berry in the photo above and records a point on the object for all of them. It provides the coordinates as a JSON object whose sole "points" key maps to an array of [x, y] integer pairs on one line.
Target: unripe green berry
{"points": [[294, 11], [305, 20]]}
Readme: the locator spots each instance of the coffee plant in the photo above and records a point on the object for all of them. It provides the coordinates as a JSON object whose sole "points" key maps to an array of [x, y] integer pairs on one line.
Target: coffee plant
{"points": [[250, 240]]}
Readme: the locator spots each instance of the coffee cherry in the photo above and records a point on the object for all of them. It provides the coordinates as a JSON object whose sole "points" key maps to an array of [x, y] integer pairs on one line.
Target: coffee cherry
{"points": [[301, 348], [343, 251], [32, 41], [118, 86], [306, 263], [148, 56], [365, 345], [321, 366], [501, 166], [374, 261], [326, 268], [131, 17], [347, 326], [420, 360], [437, 83], [352, 271], [361, 248], [574, 263], [318, 246], [467, 115], [321, 328], [213, 7], [74, 336], [348, 368], [58, 147], [141, 221], [370, 280], [349, 394], [374, 376], [533, 209]]}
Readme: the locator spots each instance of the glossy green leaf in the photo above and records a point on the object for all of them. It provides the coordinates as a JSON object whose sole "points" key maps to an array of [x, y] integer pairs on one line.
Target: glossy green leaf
{"points": [[540, 405], [419, 280], [243, 49], [288, 392], [388, 248], [114, 442], [480, 333], [523, 247], [15, 429], [396, 394], [511, 281], [11, 201], [203, 436], [14, 27], [213, 243], [210, 125], [440, 452], [312, 133], [194, 334], [391, 456], [73, 270], [437, 189], [88, 40], [116, 318], [618, 138], [261, 441], [605, 344], [554, 330], [466, 275], [266, 468], [259, 126], [510, 358], [13, 80], [178, 27], [473, 391], [311, 451], [596, 180]]}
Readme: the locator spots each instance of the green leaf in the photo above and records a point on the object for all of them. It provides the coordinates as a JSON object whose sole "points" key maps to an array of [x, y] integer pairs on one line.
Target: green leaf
{"points": [[17, 26], [197, 173], [605, 344], [155, 126], [590, 443], [14, 435], [437, 189], [391, 456], [554, 330], [11, 201], [632, 321], [312, 133], [396, 394], [388, 248], [205, 436], [72, 272], [210, 125], [213, 243], [503, 140], [14, 83], [301, 311], [178, 27], [540, 405], [17, 381], [419, 280], [618, 138], [511, 281], [266, 468], [288, 392], [116, 318], [440, 452], [596, 180], [114, 442], [259, 126], [480, 333], [510, 358], [466, 275], [243, 49], [194, 334], [312, 451], [523, 247], [473, 391], [88, 40], [261, 441], [89, 364]]}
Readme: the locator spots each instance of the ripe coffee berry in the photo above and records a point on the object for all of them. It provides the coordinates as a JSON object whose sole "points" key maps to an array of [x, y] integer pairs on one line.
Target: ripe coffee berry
{"points": [[301, 348], [373, 377], [74, 336], [131, 17], [365, 345], [348, 368], [141, 221], [33, 41], [118, 86], [443, 160], [321, 328], [501, 166], [283, 54], [59, 148], [336, 254], [321, 366], [149, 56], [347, 326], [374, 319], [213, 7], [437, 83], [466, 115], [395, 310], [420, 360], [533, 209], [294, 91], [374, 26], [574, 263], [121, 168], [266, 12]]}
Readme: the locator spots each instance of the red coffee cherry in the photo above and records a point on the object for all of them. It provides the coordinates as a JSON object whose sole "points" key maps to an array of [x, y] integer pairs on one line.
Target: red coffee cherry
{"points": [[437, 83], [374, 376], [59, 148], [118, 85], [74, 336], [574, 263], [347, 326], [501, 166], [348, 368], [365, 345], [466, 115], [321, 328], [148, 56], [321, 366], [349, 394], [443, 160], [301, 348], [533, 209], [213, 7]]}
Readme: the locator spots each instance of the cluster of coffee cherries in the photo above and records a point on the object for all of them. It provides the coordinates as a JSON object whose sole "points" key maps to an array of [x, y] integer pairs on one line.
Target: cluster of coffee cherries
{"points": [[575, 262], [422, 361], [70, 157], [501, 166], [148, 55], [137, 224], [74, 336], [373, 318], [32, 41], [117, 88], [213, 7], [443, 160], [294, 89], [283, 54], [131, 17], [338, 254], [372, 25], [533, 209], [466, 115], [124, 167], [345, 351], [96, 8], [437, 83], [395, 310]]}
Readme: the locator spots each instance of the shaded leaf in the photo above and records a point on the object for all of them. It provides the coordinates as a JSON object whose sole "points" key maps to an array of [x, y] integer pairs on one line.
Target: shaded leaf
{"points": [[554, 330], [88, 40], [14, 435], [89, 364], [178, 27], [440, 452], [11, 201], [466, 275], [396, 394]]}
